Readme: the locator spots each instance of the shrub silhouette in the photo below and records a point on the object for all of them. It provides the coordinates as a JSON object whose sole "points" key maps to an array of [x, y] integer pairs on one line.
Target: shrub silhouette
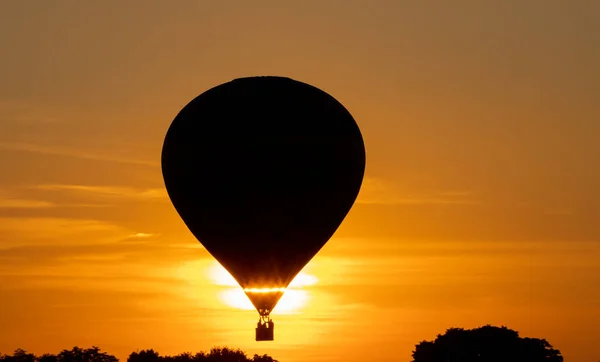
{"points": [[485, 344], [93, 354]]}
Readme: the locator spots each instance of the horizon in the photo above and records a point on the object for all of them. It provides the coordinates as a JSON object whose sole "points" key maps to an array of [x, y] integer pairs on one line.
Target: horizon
{"points": [[479, 205]]}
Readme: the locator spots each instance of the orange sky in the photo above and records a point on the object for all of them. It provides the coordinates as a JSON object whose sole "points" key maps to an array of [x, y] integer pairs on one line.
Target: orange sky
{"points": [[480, 203]]}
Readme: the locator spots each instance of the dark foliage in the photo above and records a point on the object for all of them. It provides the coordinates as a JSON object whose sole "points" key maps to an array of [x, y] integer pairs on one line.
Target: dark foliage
{"points": [[485, 344], [215, 355], [94, 354]]}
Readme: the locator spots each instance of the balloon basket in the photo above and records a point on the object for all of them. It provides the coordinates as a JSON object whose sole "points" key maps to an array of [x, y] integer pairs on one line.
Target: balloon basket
{"points": [[265, 330]]}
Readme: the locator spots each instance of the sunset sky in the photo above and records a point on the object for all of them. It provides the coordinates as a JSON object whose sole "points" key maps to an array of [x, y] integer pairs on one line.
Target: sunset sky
{"points": [[481, 200]]}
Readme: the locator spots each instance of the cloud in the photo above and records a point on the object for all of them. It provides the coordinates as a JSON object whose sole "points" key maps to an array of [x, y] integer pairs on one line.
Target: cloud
{"points": [[142, 235], [34, 241], [358, 250], [15, 231], [376, 191], [92, 255], [69, 152], [141, 238], [135, 307], [110, 191], [24, 204], [11, 200], [32, 119]]}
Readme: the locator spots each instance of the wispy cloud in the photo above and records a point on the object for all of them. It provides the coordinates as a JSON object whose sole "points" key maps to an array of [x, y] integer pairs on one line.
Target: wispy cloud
{"points": [[24, 204], [110, 191], [101, 254], [142, 235], [17, 231], [9, 200], [381, 192], [15, 110], [69, 152], [26, 118], [374, 191], [37, 241], [141, 238]]}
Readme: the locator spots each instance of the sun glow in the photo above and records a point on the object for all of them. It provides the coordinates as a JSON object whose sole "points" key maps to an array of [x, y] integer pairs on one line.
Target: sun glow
{"points": [[293, 300], [264, 290]]}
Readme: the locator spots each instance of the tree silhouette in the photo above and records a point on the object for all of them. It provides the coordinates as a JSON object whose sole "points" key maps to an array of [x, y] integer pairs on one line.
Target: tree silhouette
{"points": [[485, 344], [223, 354], [19, 355], [47, 357], [76, 354], [94, 354]]}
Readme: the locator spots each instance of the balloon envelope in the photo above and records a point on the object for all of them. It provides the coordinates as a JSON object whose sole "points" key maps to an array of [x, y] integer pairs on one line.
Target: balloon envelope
{"points": [[263, 170]]}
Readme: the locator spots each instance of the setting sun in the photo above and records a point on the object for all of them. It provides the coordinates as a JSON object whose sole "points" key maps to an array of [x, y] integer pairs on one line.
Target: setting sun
{"points": [[293, 300]]}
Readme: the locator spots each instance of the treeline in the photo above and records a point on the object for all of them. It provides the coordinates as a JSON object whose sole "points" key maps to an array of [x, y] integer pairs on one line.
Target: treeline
{"points": [[94, 354]]}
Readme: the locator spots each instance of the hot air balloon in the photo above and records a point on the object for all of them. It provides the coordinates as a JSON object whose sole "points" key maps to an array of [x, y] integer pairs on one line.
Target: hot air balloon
{"points": [[263, 170]]}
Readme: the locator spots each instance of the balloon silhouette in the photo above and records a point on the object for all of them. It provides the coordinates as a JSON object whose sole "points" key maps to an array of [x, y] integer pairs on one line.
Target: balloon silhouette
{"points": [[263, 170]]}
